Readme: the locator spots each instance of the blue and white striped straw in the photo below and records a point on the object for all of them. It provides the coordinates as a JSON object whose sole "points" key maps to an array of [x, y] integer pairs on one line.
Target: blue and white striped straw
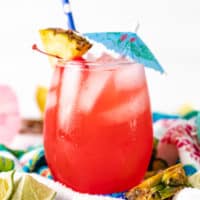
{"points": [[68, 13]]}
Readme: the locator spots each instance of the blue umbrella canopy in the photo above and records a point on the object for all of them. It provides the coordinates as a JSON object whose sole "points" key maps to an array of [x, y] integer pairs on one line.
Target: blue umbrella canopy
{"points": [[127, 44]]}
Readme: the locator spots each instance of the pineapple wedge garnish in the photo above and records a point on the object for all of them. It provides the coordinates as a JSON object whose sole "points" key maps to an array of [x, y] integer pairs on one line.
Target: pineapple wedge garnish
{"points": [[66, 44], [161, 186]]}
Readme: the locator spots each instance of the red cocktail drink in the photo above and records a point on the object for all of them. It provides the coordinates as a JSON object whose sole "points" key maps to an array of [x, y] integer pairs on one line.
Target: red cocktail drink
{"points": [[98, 126]]}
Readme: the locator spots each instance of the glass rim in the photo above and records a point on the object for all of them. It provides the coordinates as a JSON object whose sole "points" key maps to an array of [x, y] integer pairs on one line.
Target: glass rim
{"points": [[95, 65]]}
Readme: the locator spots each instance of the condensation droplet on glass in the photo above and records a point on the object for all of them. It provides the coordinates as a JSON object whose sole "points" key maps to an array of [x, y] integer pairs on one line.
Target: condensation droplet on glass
{"points": [[133, 124]]}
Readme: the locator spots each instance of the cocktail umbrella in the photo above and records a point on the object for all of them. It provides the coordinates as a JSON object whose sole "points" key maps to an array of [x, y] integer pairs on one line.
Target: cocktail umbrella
{"points": [[127, 44]]}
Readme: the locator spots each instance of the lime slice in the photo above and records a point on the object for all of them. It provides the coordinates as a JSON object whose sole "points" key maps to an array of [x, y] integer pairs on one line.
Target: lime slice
{"points": [[6, 185], [194, 180], [31, 189]]}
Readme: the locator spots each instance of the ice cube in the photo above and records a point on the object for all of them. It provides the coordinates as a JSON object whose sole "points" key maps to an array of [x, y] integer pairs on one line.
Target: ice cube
{"points": [[53, 90], [69, 92], [128, 110], [105, 58], [98, 78], [101, 58], [129, 76], [92, 88]]}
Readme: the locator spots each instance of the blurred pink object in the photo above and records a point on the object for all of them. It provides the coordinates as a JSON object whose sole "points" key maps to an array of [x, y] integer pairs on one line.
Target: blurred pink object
{"points": [[9, 115]]}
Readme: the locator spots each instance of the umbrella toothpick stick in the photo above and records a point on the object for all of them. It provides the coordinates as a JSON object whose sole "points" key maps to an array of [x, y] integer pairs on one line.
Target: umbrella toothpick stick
{"points": [[137, 27]]}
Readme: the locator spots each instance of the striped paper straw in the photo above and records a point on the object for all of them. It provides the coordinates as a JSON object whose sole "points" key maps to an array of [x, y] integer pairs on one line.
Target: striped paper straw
{"points": [[68, 14]]}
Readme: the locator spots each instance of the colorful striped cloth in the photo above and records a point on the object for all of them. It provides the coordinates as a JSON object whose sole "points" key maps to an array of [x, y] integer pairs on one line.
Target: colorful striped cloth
{"points": [[178, 141]]}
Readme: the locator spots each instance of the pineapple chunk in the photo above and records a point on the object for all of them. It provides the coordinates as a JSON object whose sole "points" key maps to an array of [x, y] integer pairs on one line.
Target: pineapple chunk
{"points": [[66, 44]]}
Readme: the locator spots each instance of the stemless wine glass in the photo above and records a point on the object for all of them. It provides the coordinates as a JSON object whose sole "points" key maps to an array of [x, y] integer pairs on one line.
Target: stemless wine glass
{"points": [[98, 126]]}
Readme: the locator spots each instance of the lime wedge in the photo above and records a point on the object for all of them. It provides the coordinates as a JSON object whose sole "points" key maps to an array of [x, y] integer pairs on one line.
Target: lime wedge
{"points": [[6, 185], [31, 189]]}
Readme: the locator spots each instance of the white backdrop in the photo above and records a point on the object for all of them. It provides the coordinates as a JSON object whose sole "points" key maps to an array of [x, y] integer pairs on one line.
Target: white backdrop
{"points": [[171, 28]]}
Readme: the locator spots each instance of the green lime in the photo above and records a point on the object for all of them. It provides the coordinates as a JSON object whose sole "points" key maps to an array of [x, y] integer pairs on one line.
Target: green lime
{"points": [[29, 188], [6, 185]]}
